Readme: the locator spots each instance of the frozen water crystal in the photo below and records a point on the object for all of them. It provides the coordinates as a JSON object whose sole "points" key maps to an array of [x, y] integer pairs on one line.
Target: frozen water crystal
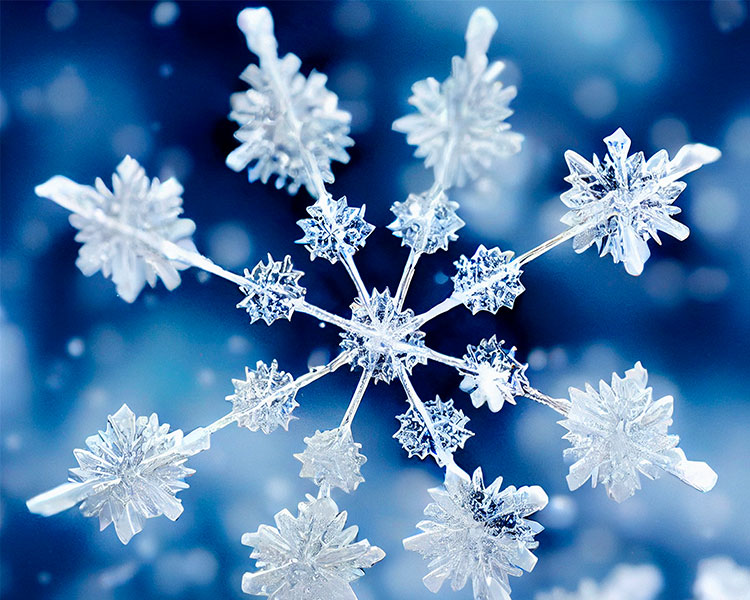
{"points": [[308, 556], [390, 345], [488, 280], [271, 290], [332, 459], [478, 533], [119, 228], [720, 578], [265, 399], [426, 222], [460, 126], [494, 375], [626, 582], [448, 424], [334, 229], [622, 202], [620, 431], [284, 114]]}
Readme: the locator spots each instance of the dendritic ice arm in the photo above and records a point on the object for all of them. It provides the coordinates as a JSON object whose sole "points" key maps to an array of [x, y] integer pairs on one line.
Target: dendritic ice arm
{"points": [[290, 125], [132, 471], [625, 582], [478, 533], [308, 556], [620, 431]]}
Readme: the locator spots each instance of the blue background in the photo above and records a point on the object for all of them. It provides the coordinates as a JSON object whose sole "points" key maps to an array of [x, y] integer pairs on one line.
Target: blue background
{"points": [[84, 84]]}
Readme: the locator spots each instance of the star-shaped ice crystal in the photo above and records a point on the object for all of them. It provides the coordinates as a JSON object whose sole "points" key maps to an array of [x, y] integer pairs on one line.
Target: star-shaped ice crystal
{"points": [[332, 459]]}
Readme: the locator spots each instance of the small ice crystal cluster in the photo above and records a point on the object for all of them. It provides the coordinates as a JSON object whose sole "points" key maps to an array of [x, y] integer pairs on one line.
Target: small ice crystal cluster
{"points": [[291, 128]]}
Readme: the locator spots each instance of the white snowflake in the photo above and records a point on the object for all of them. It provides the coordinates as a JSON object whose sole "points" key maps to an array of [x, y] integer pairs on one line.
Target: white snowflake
{"points": [[620, 203], [720, 578], [308, 556], [625, 582], [332, 459], [621, 431], [495, 376], [478, 533]]}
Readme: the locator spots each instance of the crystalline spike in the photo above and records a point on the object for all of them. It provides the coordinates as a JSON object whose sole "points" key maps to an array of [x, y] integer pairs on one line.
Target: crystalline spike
{"points": [[426, 222], [494, 375], [620, 431], [308, 556], [448, 422], [488, 280], [333, 229], [332, 459], [623, 201], [274, 288], [478, 532], [120, 229], [265, 399]]}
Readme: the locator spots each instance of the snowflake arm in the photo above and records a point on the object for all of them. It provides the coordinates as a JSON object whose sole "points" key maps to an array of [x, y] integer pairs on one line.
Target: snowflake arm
{"points": [[130, 472], [290, 125], [308, 556], [619, 431]]}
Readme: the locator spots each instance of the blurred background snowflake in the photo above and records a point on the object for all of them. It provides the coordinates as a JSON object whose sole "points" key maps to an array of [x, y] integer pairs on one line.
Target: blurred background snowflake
{"points": [[84, 83]]}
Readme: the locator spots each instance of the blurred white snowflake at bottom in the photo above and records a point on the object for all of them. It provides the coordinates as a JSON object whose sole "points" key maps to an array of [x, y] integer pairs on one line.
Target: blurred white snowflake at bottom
{"points": [[720, 578], [625, 582]]}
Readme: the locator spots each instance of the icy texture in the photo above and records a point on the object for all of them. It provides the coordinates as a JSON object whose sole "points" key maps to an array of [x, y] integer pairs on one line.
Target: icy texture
{"points": [[307, 557], [720, 578], [460, 125], [265, 399], [272, 290], [620, 431], [334, 230], [119, 228], [488, 280], [448, 423], [493, 374], [332, 459], [478, 533], [284, 116], [426, 222], [382, 351], [626, 582], [625, 200]]}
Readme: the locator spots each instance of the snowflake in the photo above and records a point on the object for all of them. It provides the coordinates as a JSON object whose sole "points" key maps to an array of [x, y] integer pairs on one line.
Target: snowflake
{"points": [[720, 578], [310, 556], [290, 127], [284, 115], [449, 427], [460, 127], [332, 459], [621, 431], [131, 472], [117, 227], [626, 582], [621, 203], [478, 532]]}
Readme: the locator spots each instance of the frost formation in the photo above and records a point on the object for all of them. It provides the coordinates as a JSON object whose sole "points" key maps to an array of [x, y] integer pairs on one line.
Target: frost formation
{"points": [[290, 128]]}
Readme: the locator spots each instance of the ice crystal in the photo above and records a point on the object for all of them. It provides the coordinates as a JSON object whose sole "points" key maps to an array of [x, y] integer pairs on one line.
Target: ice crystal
{"points": [[488, 280], [626, 582], [623, 201], [284, 114], [478, 533], [265, 399], [720, 578], [334, 228], [131, 472], [494, 375], [461, 124], [310, 556], [388, 344], [271, 290], [426, 222], [332, 459], [621, 431], [118, 228], [448, 429]]}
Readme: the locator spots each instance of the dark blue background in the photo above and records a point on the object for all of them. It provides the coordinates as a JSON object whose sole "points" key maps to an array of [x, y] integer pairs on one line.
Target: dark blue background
{"points": [[81, 87]]}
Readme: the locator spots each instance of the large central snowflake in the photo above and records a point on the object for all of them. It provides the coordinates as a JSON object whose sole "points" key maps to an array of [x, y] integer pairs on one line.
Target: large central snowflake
{"points": [[290, 127]]}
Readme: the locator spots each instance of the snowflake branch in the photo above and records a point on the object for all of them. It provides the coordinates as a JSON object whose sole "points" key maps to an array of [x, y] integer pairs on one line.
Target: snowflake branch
{"points": [[534, 253], [359, 393], [559, 405]]}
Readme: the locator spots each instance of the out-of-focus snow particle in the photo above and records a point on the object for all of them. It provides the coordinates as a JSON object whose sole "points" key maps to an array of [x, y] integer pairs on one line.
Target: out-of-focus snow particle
{"points": [[736, 138], [175, 162], [318, 357], [600, 23], [728, 15], [4, 112], [669, 133], [76, 347], [32, 100], [643, 61], [44, 577], [165, 14], [708, 284], [166, 70], [229, 245], [61, 14], [595, 97], [353, 18], [35, 236], [665, 282], [560, 512], [132, 140], [715, 210], [238, 344], [67, 95]]}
